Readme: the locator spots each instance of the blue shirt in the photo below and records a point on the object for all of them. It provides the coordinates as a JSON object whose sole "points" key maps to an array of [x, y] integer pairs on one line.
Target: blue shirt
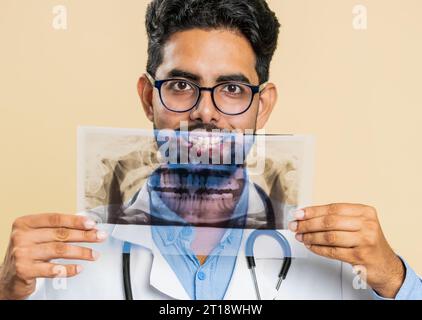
{"points": [[202, 282], [411, 288]]}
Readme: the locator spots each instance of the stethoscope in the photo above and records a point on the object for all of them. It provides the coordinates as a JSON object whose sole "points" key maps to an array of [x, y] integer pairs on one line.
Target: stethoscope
{"points": [[249, 251], [250, 258]]}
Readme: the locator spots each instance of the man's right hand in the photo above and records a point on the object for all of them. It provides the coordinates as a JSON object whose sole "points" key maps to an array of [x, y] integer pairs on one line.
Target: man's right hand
{"points": [[37, 239]]}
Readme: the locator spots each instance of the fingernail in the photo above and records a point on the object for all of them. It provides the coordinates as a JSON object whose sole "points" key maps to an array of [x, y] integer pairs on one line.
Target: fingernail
{"points": [[299, 237], [299, 214], [293, 226], [79, 269], [95, 255], [101, 235], [89, 224], [308, 246]]}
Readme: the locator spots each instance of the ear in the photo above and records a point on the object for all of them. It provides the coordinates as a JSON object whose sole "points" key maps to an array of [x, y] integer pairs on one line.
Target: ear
{"points": [[267, 101], [145, 90]]}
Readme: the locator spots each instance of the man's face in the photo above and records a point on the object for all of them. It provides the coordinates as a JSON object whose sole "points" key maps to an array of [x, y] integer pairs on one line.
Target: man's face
{"points": [[206, 58]]}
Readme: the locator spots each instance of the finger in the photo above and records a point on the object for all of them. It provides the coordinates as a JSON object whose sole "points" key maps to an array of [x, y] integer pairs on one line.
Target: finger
{"points": [[336, 253], [60, 250], [43, 235], [49, 270], [341, 239], [327, 223], [344, 209], [57, 220]]}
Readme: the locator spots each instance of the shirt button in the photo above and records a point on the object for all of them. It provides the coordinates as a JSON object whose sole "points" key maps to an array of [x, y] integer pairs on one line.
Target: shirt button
{"points": [[201, 275]]}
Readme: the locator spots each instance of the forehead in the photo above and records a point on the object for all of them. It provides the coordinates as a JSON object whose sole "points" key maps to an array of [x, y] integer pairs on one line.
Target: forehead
{"points": [[209, 54]]}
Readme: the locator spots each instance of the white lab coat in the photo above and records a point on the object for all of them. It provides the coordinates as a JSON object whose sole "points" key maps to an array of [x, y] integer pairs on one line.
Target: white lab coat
{"points": [[310, 277]]}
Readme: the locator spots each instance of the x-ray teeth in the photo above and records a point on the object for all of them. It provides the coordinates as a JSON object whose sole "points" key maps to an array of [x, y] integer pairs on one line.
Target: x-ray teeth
{"points": [[124, 180], [205, 197]]}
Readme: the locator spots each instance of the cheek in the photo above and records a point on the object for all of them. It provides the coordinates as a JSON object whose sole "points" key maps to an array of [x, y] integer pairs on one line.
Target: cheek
{"points": [[244, 121], [165, 119]]}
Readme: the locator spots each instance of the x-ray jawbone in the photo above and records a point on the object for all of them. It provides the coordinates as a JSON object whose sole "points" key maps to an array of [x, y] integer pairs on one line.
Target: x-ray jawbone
{"points": [[194, 195], [180, 186], [123, 180]]}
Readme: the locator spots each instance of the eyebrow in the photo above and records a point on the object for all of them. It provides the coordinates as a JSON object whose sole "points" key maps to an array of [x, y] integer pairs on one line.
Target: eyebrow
{"points": [[178, 73], [233, 77]]}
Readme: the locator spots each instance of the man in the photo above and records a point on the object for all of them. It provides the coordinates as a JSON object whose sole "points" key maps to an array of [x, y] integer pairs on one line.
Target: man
{"points": [[204, 42]]}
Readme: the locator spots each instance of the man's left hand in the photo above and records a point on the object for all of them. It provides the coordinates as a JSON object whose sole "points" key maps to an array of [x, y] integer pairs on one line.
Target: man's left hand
{"points": [[351, 233]]}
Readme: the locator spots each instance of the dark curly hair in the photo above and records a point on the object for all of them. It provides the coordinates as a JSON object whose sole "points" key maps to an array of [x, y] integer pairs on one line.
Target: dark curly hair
{"points": [[253, 18]]}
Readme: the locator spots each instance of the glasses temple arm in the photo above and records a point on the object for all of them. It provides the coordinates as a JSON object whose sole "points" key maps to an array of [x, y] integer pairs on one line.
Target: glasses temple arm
{"points": [[150, 78], [262, 86]]}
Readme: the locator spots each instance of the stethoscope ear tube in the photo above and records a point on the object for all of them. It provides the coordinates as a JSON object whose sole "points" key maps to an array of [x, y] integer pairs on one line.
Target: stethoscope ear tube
{"points": [[285, 267], [251, 262]]}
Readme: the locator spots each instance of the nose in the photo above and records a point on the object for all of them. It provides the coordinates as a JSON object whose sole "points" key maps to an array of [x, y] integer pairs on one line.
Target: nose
{"points": [[205, 111]]}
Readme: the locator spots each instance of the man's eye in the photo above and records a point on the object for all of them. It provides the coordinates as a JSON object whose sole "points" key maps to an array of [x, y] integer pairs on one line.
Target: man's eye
{"points": [[233, 89], [181, 86]]}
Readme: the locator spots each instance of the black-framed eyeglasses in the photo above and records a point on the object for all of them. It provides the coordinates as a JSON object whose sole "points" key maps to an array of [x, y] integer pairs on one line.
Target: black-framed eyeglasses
{"points": [[180, 95]]}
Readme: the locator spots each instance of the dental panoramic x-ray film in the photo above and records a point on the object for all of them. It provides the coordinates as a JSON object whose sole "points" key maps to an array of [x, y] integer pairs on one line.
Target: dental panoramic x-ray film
{"points": [[210, 180]]}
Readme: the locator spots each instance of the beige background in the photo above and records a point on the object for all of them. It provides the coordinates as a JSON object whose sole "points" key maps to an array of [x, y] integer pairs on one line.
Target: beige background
{"points": [[357, 91]]}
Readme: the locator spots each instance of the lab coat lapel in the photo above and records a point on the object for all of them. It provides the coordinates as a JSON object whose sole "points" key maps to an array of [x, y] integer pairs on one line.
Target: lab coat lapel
{"points": [[164, 279], [162, 276]]}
